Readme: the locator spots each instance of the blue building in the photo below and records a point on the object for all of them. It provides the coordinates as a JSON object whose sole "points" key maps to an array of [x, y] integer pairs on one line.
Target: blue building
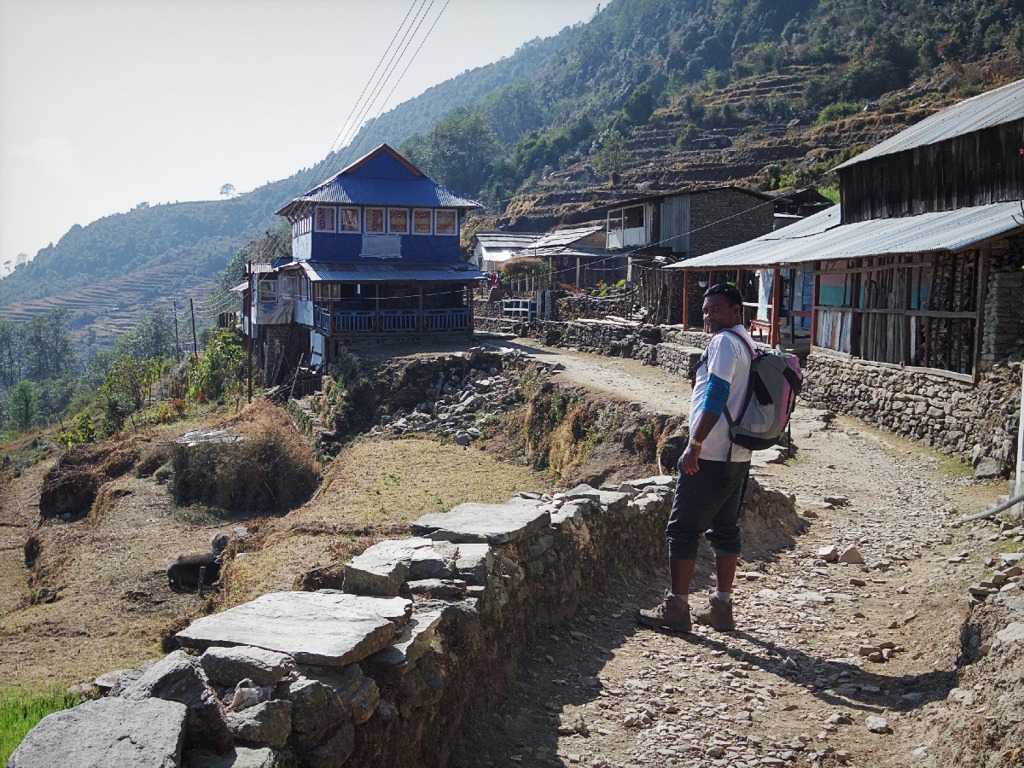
{"points": [[375, 254]]}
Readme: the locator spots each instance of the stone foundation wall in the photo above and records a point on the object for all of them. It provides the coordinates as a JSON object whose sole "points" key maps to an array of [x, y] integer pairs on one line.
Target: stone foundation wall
{"points": [[975, 423], [394, 667]]}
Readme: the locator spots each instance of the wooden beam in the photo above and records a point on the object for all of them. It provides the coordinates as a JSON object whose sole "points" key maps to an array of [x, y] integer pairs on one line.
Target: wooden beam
{"points": [[815, 299], [686, 299], [775, 335]]}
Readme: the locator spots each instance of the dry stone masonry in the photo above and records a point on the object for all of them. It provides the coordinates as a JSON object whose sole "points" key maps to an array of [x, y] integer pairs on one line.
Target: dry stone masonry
{"points": [[393, 669]]}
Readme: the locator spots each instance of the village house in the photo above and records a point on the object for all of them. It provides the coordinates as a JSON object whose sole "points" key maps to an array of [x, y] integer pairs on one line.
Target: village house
{"points": [[662, 229], [492, 250], [917, 296], [375, 255]]}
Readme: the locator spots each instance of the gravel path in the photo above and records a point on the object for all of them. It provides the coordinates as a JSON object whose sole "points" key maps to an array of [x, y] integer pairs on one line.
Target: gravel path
{"points": [[795, 685]]}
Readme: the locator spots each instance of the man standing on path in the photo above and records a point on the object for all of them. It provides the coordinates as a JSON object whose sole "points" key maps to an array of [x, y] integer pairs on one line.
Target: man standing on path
{"points": [[712, 471]]}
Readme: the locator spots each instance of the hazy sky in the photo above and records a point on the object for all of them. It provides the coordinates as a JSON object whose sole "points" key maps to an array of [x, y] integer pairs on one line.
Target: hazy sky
{"points": [[108, 103]]}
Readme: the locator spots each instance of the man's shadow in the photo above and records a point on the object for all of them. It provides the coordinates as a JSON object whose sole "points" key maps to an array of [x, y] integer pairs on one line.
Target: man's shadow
{"points": [[837, 682]]}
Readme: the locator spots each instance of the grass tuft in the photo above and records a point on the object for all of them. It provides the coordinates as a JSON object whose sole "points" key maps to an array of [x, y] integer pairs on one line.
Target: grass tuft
{"points": [[21, 711]]}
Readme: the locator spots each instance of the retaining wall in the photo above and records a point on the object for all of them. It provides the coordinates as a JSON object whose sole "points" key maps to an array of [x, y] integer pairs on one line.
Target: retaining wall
{"points": [[392, 669]]}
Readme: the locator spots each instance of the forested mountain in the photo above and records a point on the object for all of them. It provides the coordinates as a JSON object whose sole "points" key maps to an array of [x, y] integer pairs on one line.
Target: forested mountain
{"points": [[648, 94]]}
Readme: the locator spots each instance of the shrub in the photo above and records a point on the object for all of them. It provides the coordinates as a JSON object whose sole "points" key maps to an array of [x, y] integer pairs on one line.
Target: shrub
{"points": [[837, 111], [258, 465]]}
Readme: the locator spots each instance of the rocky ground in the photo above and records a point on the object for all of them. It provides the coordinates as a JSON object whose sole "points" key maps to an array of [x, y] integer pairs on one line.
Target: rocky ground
{"points": [[834, 662]]}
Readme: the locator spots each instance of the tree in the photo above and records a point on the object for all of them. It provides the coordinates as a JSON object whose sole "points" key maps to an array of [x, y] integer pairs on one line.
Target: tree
{"points": [[10, 354], [610, 156], [153, 336], [128, 381], [227, 190], [23, 405], [47, 348], [458, 152]]}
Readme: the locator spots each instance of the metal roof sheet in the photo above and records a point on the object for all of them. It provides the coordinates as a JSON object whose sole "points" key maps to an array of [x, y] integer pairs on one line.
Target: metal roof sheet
{"points": [[382, 177], [417, 192], [996, 107], [369, 273], [566, 236], [508, 239], [822, 237]]}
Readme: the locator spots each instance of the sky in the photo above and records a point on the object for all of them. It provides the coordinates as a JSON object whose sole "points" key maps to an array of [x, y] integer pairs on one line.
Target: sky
{"points": [[108, 103]]}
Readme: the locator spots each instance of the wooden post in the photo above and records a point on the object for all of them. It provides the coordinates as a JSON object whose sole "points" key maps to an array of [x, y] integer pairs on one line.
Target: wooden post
{"points": [[686, 299], [815, 294], [177, 341], [775, 335], [1019, 481], [195, 340], [248, 336]]}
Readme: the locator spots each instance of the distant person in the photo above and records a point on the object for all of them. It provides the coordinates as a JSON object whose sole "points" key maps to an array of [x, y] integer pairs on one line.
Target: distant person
{"points": [[712, 471]]}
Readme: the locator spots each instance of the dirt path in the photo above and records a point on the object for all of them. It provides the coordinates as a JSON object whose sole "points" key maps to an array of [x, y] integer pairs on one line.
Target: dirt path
{"points": [[791, 686]]}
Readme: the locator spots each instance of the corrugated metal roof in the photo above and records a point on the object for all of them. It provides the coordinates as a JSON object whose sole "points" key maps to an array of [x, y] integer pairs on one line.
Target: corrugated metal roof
{"points": [[996, 107], [508, 239], [822, 237], [383, 177], [370, 273], [413, 193], [566, 236]]}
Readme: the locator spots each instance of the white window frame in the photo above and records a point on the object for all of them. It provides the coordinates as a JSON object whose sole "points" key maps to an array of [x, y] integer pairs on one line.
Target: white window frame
{"points": [[341, 212], [408, 221], [384, 221], [437, 229], [430, 220], [334, 218]]}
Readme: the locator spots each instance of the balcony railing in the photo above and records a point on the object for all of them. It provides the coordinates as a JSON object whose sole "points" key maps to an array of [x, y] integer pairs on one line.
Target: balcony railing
{"points": [[391, 321]]}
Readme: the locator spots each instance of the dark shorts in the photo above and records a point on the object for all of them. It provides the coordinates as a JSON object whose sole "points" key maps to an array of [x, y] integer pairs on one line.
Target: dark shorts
{"points": [[707, 502]]}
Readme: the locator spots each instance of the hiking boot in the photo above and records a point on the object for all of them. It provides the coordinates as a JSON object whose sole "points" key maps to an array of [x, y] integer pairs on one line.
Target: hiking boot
{"points": [[673, 612], [718, 615]]}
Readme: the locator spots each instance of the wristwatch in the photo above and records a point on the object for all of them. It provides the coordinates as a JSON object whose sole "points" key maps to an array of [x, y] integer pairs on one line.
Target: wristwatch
{"points": [[696, 443]]}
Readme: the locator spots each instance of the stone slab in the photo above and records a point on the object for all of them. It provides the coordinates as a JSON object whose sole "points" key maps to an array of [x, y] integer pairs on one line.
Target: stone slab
{"points": [[496, 524], [415, 637], [227, 666], [474, 562], [382, 569], [326, 629], [106, 732]]}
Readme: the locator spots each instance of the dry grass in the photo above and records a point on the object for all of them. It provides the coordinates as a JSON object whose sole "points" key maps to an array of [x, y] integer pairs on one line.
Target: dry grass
{"points": [[372, 491]]}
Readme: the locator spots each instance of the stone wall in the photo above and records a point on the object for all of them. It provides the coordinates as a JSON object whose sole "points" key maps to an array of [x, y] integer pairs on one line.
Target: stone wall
{"points": [[395, 667], [975, 423]]}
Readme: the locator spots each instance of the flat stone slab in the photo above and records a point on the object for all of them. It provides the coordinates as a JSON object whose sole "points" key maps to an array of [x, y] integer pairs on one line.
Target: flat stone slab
{"points": [[383, 568], [486, 523], [114, 732], [325, 629]]}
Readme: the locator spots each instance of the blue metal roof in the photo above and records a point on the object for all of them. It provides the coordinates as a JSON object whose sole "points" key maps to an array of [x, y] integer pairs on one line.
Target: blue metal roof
{"points": [[822, 237], [382, 177], [380, 272]]}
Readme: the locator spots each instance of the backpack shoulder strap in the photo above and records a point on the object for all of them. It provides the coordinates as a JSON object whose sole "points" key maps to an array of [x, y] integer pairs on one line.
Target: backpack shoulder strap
{"points": [[752, 350]]}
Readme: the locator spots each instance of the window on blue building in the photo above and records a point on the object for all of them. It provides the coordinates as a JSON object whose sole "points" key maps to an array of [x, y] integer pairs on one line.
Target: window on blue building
{"points": [[375, 221], [324, 219], [398, 221], [348, 220]]}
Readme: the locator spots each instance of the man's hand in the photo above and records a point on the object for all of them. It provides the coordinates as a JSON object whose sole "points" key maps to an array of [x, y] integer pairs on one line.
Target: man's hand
{"points": [[688, 461]]}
